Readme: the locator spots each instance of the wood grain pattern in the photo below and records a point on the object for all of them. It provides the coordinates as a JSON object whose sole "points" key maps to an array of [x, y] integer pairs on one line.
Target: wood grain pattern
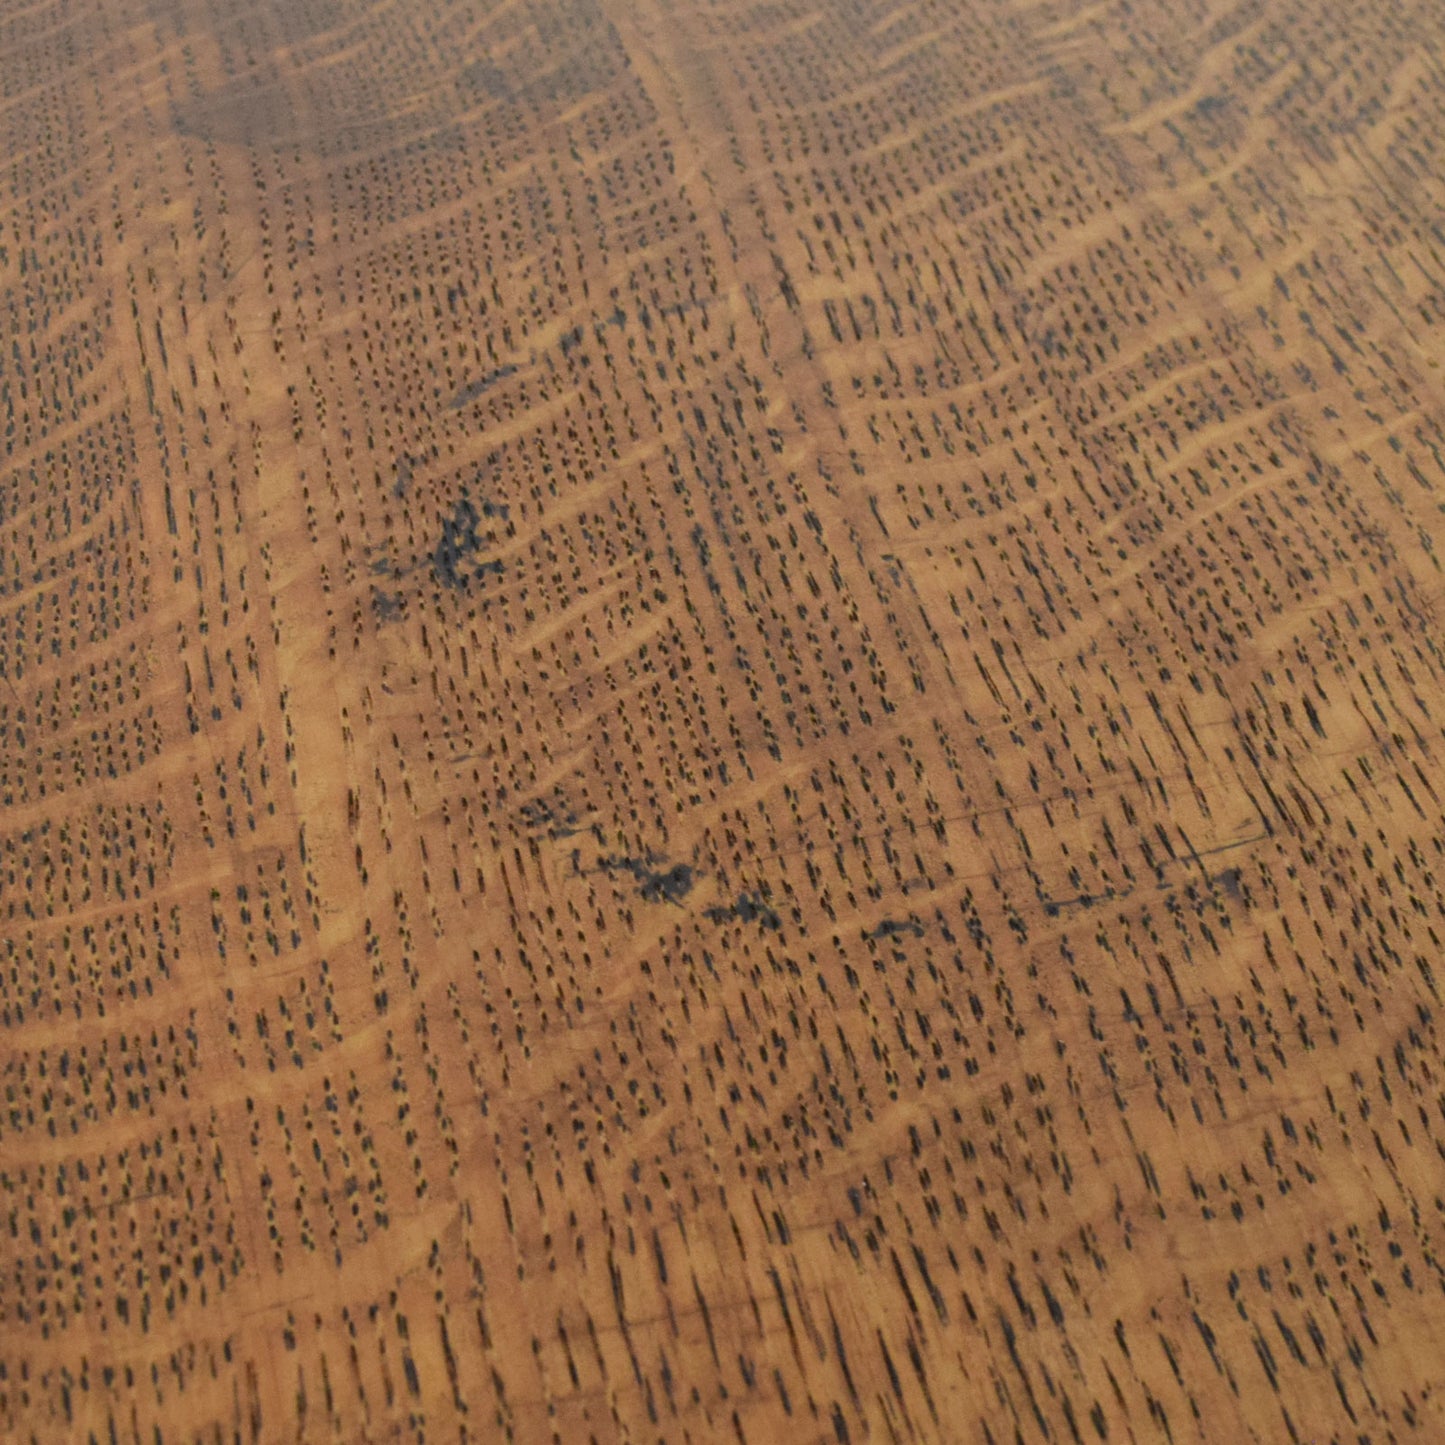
{"points": [[718, 721]]}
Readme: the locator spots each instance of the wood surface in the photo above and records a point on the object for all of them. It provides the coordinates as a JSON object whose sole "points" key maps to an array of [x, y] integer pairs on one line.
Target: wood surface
{"points": [[721, 721]]}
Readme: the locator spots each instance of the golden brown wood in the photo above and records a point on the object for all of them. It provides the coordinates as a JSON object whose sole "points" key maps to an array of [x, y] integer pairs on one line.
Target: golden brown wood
{"points": [[718, 721]]}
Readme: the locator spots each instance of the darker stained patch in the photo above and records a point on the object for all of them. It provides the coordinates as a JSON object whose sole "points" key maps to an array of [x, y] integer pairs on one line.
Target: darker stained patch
{"points": [[287, 105], [386, 605], [403, 476], [553, 67], [657, 885], [748, 908], [484, 80], [896, 928], [669, 887], [1212, 105], [473, 389], [552, 815], [453, 559]]}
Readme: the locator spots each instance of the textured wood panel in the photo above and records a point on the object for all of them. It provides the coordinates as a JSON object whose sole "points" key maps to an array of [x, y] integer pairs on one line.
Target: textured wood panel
{"points": [[718, 721]]}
